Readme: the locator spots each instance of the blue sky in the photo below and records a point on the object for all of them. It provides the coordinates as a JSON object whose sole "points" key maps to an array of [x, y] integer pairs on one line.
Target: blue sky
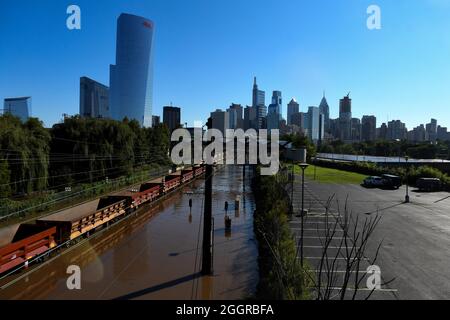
{"points": [[207, 52]]}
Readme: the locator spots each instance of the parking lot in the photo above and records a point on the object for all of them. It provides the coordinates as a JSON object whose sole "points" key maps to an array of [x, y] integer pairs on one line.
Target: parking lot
{"points": [[414, 237]]}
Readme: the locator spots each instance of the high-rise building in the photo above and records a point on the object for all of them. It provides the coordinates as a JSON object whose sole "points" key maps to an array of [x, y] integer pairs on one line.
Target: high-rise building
{"points": [[94, 99], [396, 130], [220, 120], [274, 111], [325, 110], [293, 107], [250, 118], [131, 78], [19, 107], [172, 117], [432, 130], [418, 134], [259, 102], [235, 114], [382, 133], [156, 121], [315, 124], [355, 129], [443, 134], [345, 118], [368, 128]]}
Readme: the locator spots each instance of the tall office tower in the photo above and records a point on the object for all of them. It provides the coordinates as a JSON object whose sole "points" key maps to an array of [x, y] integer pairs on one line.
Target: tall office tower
{"points": [[334, 128], [235, 114], [131, 78], [432, 130], [396, 130], [293, 107], [274, 111], [220, 120], [418, 134], [314, 126], [19, 107], [156, 121], [383, 132], [369, 128], [356, 129], [325, 110], [259, 102], [345, 118], [172, 117], [94, 99], [442, 133], [250, 118]]}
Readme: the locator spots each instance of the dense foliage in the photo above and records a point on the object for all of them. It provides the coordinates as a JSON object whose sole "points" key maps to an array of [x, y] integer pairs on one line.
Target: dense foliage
{"points": [[281, 276], [76, 151], [301, 141], [383, 148], [24, 155]]}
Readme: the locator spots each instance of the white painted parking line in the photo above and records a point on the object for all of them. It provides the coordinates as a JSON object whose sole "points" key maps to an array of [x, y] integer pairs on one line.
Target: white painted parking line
{"points": [[342, 271], [333, 258], [330, 247], [364, 289], [320, 238], [299, 229]]}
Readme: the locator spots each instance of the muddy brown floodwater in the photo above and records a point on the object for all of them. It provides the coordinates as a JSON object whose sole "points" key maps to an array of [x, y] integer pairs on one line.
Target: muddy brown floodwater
{"points": [[156, 254]]}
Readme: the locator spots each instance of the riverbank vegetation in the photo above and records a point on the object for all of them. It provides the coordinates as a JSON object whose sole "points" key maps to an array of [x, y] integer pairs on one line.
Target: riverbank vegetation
{"points": [[281, 276], [382, 148], [40, 166]]}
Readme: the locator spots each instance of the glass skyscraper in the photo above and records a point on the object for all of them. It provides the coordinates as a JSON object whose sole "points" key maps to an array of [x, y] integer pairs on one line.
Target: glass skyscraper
{"points": [[94, 99], [131, 78], [19, 107]]}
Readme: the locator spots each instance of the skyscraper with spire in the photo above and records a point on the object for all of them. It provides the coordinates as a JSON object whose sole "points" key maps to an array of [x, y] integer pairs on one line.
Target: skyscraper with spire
{"points": [[325, 110], [259, 102]]}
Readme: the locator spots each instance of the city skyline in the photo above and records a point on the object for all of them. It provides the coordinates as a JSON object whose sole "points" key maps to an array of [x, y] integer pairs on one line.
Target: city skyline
{"points": [[300, 68]]}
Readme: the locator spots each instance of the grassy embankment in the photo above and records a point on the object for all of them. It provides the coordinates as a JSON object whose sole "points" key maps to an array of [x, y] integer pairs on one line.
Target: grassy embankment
{"points": [[329, 175]]}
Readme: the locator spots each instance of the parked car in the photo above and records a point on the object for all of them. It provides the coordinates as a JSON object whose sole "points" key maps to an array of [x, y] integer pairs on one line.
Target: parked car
{"points": [[373, 181], [429, 184], [391, 181]]}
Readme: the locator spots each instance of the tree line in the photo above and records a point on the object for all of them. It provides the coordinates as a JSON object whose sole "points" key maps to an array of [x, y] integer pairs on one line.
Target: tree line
{"points": [[78, 150], [383, 148]]}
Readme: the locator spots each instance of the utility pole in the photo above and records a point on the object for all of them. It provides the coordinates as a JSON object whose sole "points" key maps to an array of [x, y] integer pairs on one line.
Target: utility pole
{"points": [[207, 219]]}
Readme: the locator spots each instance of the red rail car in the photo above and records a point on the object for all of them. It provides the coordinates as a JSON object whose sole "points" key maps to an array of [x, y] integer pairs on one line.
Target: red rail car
{"points": [[199, 170], [187, 175], [171, 182], [30, 240], [147, 193], [73, 222]]}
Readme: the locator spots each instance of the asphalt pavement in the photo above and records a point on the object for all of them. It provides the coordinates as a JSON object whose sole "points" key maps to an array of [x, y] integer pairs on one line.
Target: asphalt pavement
{"points": [[414, 257]]}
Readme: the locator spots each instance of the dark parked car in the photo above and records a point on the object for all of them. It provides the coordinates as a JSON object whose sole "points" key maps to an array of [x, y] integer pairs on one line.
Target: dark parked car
{"points": [[373, 182], [391, 181], [429, 184]]}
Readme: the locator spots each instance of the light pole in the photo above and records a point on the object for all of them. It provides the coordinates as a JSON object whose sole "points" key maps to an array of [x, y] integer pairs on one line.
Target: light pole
{"points": [[292, 187], [303, 166], [407, 186]]}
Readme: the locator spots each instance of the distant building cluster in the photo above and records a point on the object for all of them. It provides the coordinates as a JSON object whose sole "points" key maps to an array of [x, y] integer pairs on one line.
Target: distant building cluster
{"points": [[316, 123]]}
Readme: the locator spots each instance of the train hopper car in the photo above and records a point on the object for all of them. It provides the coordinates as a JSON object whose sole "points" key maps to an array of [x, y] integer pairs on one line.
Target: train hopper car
{"points": [[187, 175], [29, 241], [76, 221], [147, 192], [171, 182], [199, 170]]}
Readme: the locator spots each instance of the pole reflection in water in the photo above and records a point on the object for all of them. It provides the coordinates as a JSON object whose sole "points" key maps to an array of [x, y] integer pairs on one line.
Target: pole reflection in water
{"points": [[156, 254]]}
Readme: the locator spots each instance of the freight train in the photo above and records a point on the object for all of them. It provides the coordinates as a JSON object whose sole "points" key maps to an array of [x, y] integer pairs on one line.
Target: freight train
{"points": [[68, 226]]}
